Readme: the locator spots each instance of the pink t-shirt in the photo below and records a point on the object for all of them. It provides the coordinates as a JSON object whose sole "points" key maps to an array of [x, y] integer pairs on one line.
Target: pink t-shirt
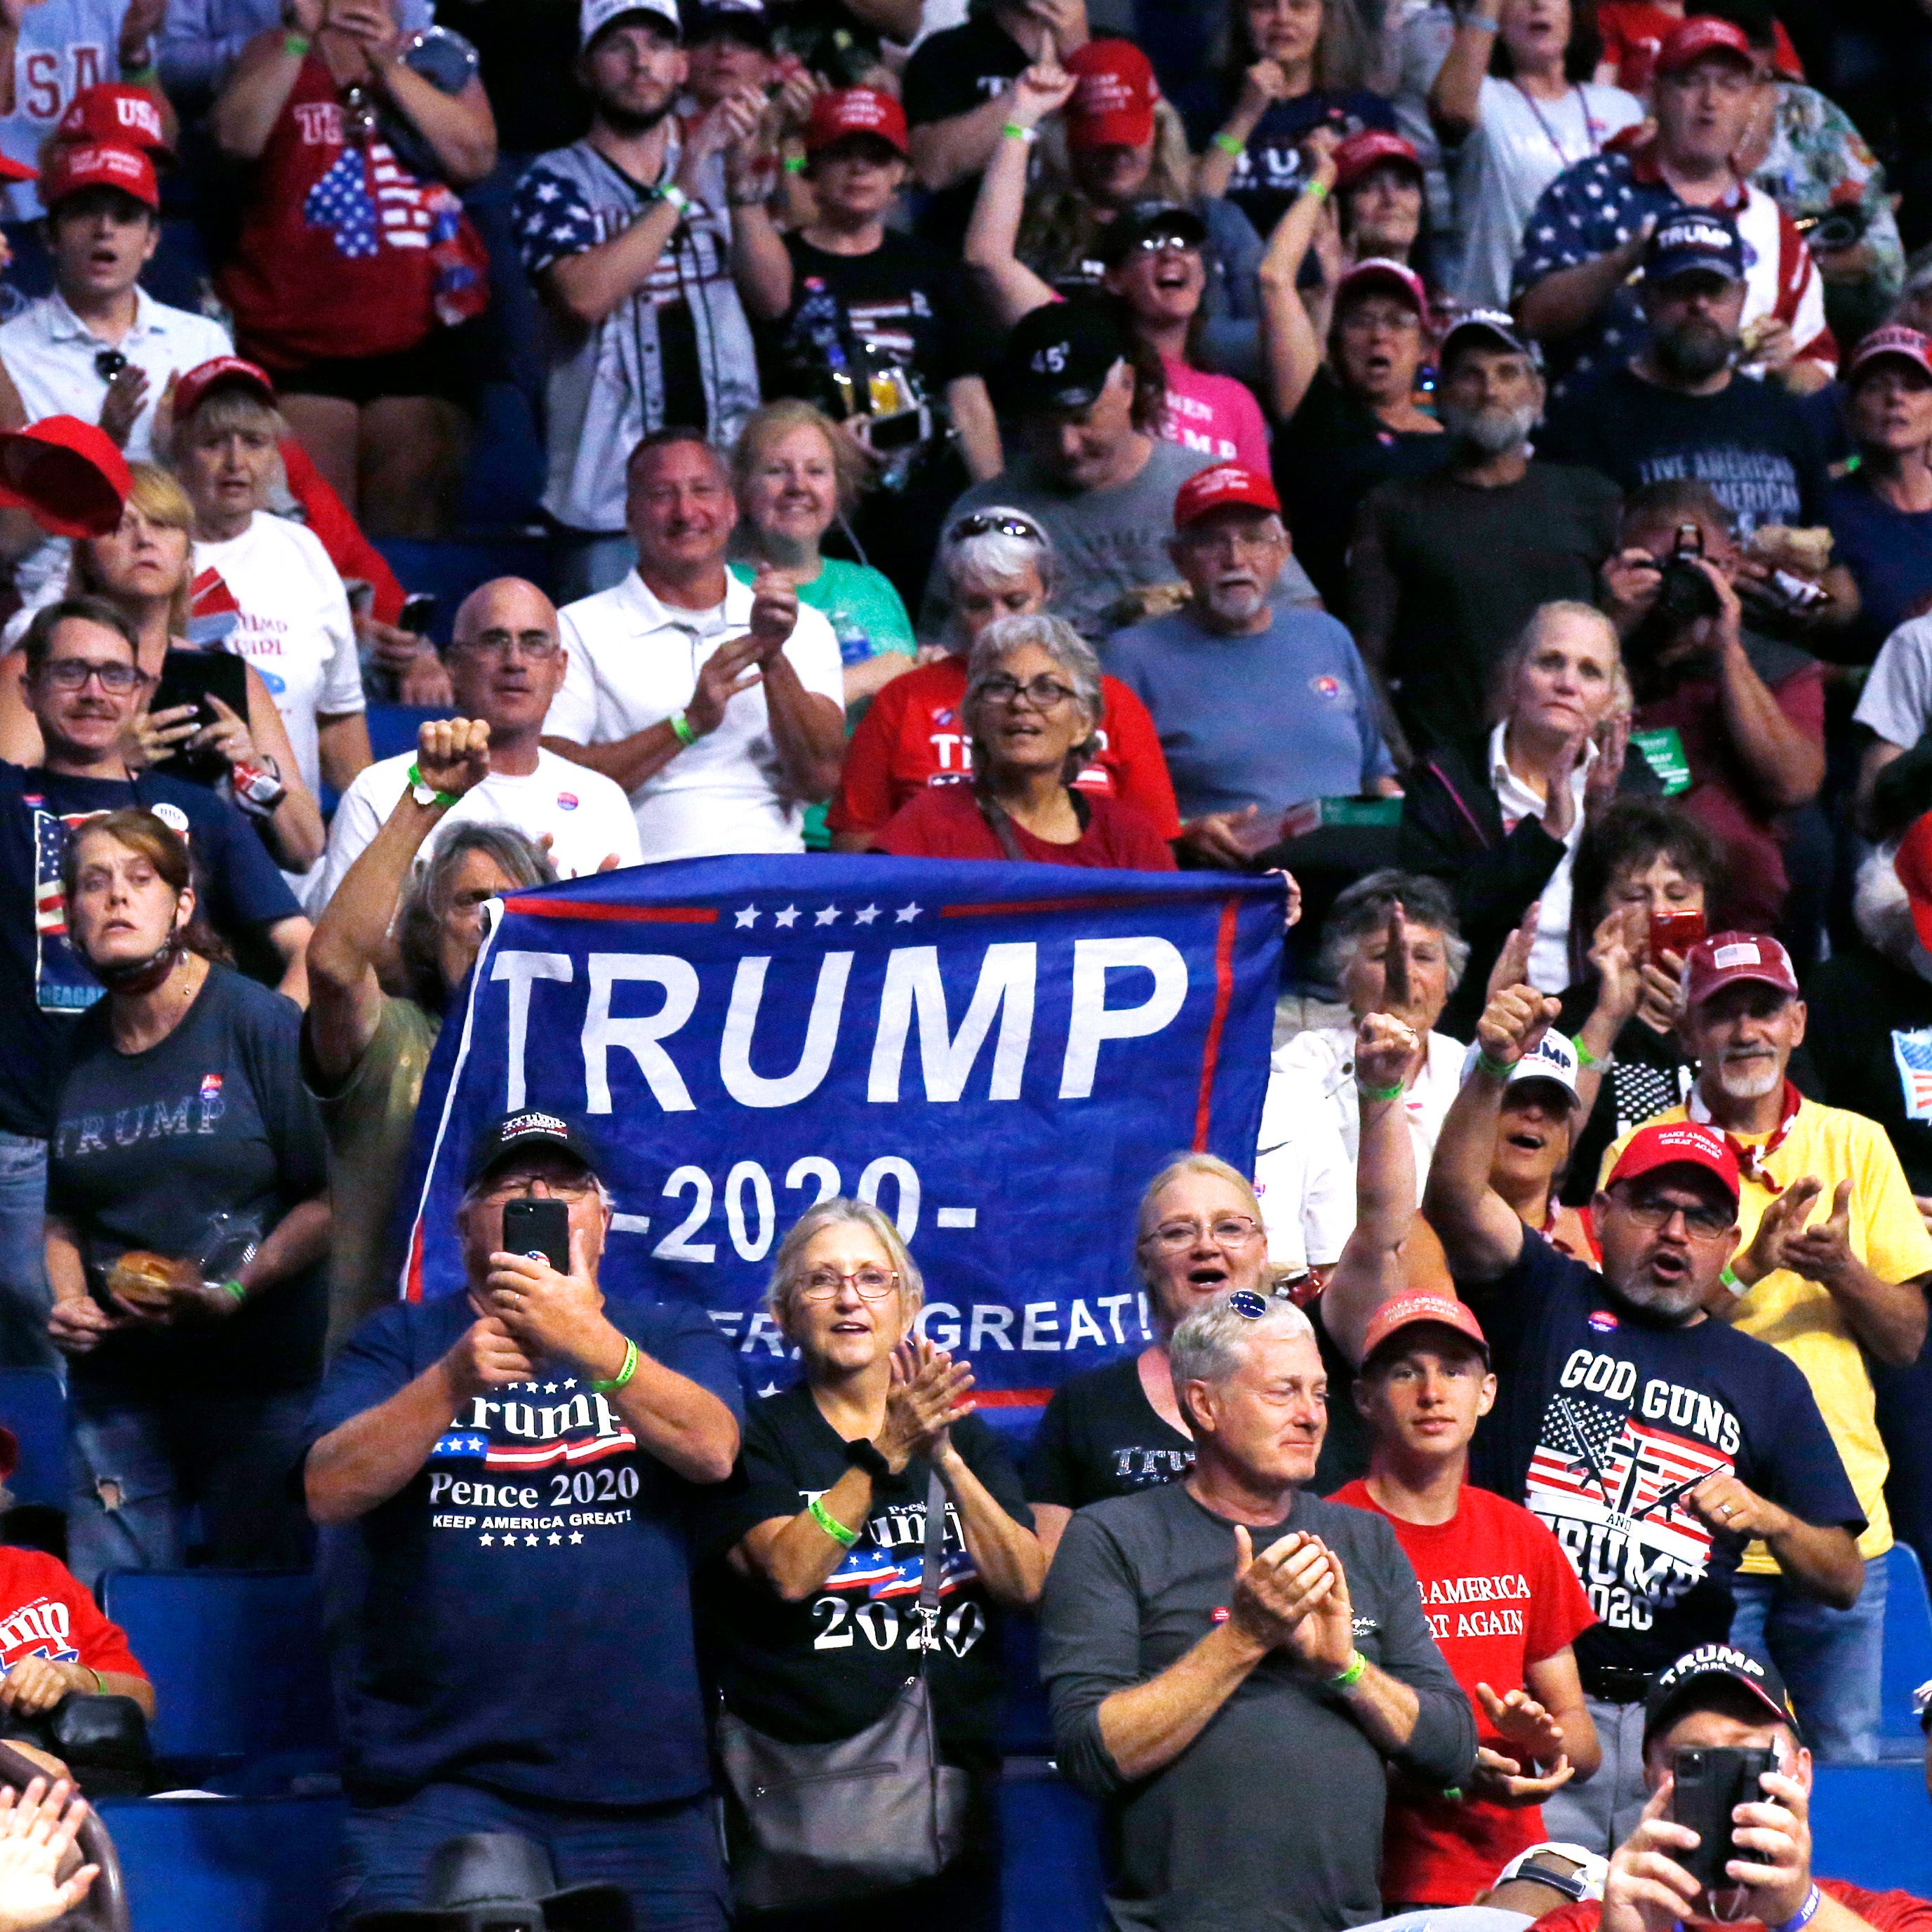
{"points": [[1215, 414]]}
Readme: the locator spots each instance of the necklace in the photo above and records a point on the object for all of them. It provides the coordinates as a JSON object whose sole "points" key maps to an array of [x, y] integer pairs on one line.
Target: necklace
{"points": [[1592, 127]]}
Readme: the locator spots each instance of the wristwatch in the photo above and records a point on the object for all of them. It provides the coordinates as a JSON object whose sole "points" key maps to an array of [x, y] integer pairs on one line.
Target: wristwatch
{"points": [[861, 1454], [424, 793]]}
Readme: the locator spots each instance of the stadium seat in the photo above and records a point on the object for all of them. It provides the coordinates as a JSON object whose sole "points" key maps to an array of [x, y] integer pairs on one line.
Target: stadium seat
{"points": [[33, 1405], [252, 1864], [1050, 1878], [1908, 1655], [239, 1672], [1023, 1729], [1870, 1823], [450, 571], [392, 727]]}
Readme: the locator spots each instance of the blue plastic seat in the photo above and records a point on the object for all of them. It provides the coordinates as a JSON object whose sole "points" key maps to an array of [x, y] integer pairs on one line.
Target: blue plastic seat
{"points": [[1869, 1825], [452, 568], [393, 728], [1050, 1872], [33, 1405], [240, 1674], [252, 1864], [1908, 1655]]}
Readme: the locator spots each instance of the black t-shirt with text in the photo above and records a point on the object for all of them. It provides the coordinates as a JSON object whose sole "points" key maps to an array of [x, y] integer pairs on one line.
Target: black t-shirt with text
{"points": [[1101, 1437], [958, 69], [1606, 1418], [811, 1672]]}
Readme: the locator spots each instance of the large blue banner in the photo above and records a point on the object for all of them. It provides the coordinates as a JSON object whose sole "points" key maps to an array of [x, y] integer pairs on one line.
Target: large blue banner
{"points": [[999, 1055]]}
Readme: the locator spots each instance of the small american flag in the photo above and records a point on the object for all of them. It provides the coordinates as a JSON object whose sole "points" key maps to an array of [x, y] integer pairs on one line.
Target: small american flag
{"points": [[1912, 1051]]}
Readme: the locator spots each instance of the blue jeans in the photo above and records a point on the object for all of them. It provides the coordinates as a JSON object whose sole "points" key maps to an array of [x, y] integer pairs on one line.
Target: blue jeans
{"points": [[137, 1466], [25, 1301], [1830, 1660], [664, 1856]]}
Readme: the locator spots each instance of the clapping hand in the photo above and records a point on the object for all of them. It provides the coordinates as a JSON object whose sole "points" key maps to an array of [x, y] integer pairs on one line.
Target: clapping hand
{"points": [[1520, 1720], [1614, 952], [774, 611], [929, 1391], [1780, 1230], [121, 405], [1822, 1252]]}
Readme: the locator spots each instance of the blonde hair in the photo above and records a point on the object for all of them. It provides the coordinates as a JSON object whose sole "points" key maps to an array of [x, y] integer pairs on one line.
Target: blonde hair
{"points": [[1058, 231], [1561, 610], [1181, 1165], [776, 420], [157, 494], [836, 1212], [230, 407]]}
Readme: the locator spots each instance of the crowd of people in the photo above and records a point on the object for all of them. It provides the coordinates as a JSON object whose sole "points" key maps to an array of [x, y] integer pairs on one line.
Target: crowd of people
{"points": [[1473, 457]]}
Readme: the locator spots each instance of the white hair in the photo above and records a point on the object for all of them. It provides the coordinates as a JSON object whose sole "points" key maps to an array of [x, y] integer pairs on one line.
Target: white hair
{"points": [[1211, 1345]]}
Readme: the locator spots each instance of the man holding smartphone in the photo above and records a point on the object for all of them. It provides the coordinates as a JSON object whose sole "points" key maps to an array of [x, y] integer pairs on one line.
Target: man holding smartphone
{"points": [[1726, 1708], [503, 1478], [1834, 1295]]}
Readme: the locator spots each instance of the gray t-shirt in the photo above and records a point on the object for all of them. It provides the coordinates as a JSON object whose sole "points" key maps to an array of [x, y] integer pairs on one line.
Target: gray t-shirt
{"points": [[1271, 1819], [1106, 541]]}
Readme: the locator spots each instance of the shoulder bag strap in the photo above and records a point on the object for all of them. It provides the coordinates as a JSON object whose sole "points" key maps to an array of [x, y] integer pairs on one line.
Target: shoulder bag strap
{"points": [[994, 813], [931, 1563]]}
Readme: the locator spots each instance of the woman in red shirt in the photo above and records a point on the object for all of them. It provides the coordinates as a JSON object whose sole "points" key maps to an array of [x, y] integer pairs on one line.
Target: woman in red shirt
{"points": [[1032, 705], [357, 279]]}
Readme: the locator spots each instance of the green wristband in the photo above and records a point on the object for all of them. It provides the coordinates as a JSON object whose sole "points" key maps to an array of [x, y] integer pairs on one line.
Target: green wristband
{"points": [[831, 1526], [1013, 131], [1347, 1680], [235, 1288], [1316, 191], [99, 1680], [1586, 1059], [623, 1375], [1729, 1276], [414, 777], [794, 164], [1394, 1093], [682, 728], [297, 44], [1497, 1070], [142, 76], [1231, 144]]}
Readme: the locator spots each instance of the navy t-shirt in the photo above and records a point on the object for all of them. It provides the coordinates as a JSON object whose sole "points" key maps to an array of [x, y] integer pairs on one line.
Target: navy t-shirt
{"points": [[44, 983], [1889, 551], [1270, 170], [1606, 1418], [518, 1615]]}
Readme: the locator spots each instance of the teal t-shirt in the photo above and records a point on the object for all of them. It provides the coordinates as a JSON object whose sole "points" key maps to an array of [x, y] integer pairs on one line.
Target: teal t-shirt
{"points": [[867, 616]]}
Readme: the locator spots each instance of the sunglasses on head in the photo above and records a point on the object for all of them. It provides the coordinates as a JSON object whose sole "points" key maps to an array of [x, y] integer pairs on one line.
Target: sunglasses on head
{"points": [[1249, 1302], [981, 522]]}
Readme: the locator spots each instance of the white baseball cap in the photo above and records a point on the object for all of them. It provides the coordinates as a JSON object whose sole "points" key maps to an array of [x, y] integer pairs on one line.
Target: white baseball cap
{"points": [[1553, 1058], [596, 15], [1587, 1882]]}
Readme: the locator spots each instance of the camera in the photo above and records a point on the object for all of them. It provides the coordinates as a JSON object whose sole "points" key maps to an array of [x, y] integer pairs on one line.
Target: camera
{"points": [[1685, 593], [1840, 227]]}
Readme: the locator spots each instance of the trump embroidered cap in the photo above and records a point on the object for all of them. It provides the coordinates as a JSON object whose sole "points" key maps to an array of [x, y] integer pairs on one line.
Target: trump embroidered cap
{"points": [[1411, 1311], [1912, 864], [1214, 489], [596, 15], [855, 110], [1058, 356], [1487, 327], [516, 1133], [73, 166], [1114, 93], [1369, 149], [232, 372], [1702, 1670], [1895, 340], [111, 111], [70, 474], [1725, 958], [1678, 1143], [1694, 241], [1695, 38], [1552, 1058]]}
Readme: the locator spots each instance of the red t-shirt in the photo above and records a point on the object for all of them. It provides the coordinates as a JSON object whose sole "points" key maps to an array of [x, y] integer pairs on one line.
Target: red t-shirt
{"points": [[1633, 30], [1889, 1911], [1499, 1595], [945, 822], [45, 1612], [912, 737]]}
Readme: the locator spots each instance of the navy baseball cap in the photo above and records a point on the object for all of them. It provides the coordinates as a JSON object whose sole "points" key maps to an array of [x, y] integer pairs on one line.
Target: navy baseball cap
{"points": [[528, 1127], [1686, 1685], [1703, 241]]}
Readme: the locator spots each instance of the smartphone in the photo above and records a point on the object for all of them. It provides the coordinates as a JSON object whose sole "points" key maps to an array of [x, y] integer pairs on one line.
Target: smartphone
{"points": [[1711, 1783], [192, 677], [417, 613], [1675, 931], [539, 1228]]}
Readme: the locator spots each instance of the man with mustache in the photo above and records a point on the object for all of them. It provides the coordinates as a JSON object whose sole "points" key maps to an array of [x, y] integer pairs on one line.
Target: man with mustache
{"points": [[1832, 1271], [1654, 1442], [1444, 566], [1260, 704]]}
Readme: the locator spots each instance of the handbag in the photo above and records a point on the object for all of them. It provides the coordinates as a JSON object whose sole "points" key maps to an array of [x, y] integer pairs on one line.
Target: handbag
{"points": [[807, 1825]]}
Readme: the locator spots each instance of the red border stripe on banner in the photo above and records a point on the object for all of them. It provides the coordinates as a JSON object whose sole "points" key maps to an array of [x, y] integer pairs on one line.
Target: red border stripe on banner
{"points": [[628, 915], [1224, 993], [1011, 1398], [1110, 903]]}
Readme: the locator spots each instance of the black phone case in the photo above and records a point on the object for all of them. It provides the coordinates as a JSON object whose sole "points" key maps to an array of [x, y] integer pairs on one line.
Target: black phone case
{"points": [[1710, 1783], [532, 1227]]}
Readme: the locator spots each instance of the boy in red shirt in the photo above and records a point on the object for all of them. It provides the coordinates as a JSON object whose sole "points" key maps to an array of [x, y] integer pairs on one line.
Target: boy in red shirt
{"points": [[1500, 1596]]}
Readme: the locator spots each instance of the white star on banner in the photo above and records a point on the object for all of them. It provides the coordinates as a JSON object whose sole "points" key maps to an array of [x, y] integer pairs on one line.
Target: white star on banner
{"points": [[865, 915], [749, 916], [577, 1536], [529, 1542], [788, 917], [906, 914], [486, 1539], [555, 1538], [825, 915]]}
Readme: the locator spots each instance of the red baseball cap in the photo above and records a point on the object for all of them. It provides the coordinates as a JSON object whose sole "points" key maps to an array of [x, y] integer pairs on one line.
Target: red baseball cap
{"points": [[1112, 102], [73, 166], [1407, 1311], [1678, 1143], [1216, 488], [1725, 958], [1704, 34], [122, 115], [13, 170], [1913, 865], [855, 110], [69, 474], [1369, 149], [192, 388], [1894, 339], [10, 1453], [1379, 272]]}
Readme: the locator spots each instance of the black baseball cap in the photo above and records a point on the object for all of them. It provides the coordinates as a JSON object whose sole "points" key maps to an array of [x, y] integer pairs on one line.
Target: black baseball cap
{"points": [[745, 20], [1687, 1683], [516, 1133], [1132, 226], [1059, 355]]}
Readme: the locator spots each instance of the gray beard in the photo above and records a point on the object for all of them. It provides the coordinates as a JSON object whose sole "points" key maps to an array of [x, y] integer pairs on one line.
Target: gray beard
{"points": [[1236, 607], [1740, 1086], [1488, 432], [1674, 1303]]}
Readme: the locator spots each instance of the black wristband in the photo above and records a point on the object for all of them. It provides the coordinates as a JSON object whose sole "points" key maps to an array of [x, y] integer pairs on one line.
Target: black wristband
{"points": [[861, 1454]]}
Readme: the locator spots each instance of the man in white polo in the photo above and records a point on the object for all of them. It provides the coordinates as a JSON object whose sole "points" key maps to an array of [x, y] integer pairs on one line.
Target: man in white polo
{"points": [[506, 667], [718, 706]]}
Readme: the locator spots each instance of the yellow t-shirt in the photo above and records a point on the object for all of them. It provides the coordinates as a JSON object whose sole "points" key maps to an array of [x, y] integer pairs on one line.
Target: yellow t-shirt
{"points": [[1800, 1318]]}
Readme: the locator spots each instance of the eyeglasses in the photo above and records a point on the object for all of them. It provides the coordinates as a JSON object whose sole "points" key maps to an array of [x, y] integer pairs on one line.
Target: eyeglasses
{"points": [[1042, 693], [1225, 1230], [982, 523], [109, 364], [1152, 244], [72, 674], [579, 1188], [538, 646], [874, 1284], [1652, 1210]]}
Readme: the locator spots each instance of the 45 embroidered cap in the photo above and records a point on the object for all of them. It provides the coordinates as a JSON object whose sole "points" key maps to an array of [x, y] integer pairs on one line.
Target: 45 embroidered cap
{"points": [[1712, 1677], [1058, 356], [516, 1133]]}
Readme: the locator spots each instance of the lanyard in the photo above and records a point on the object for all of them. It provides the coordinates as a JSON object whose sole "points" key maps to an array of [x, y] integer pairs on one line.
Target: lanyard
{"points": [[1751, 1160], [1590, 123]]}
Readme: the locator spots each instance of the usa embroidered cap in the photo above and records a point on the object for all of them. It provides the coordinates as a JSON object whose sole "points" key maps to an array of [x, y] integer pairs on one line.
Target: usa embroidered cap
{"points": [[1553, 1058], [69, 474], [1411, 1311], [1704, 34], [1725, 958], [232, 372], [1114, 93], [1058, 356], [1694, 241], [1678, 1143], [855, 110], [1369, 149], [1697, 1672], [73, 165], [111, 111], [596, 15], [518, 1132], [1215, 489]]}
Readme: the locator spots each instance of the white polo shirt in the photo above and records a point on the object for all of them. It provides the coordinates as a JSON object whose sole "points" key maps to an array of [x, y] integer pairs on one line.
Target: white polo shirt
{"points": [[634, 661], [49, 353], [585, 816]]}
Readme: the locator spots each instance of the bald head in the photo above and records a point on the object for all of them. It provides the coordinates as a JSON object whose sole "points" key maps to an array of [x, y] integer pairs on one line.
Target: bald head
{"points": [[506, 663]]}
